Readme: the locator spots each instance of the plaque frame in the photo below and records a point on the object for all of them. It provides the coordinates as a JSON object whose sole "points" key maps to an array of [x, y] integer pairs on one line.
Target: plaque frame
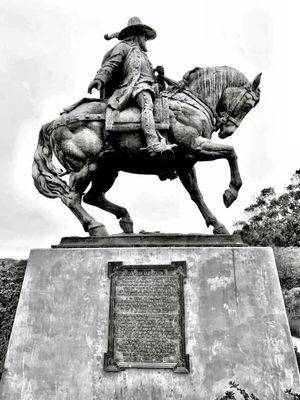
{"points": [[182, 366]]}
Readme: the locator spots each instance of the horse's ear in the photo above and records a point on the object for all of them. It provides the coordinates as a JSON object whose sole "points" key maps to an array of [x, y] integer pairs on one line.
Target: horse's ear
{"points": [[256, 81]]}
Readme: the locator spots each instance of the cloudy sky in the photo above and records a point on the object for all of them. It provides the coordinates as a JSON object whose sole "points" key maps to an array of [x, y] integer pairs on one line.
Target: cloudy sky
{"points": [[50, 51]]}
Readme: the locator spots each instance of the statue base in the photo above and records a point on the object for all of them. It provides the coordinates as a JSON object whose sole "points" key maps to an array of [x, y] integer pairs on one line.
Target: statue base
{"points": [[71, 336], [151, 240]]}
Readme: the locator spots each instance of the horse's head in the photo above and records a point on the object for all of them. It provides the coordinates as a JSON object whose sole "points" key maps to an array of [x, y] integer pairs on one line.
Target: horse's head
{"points": [[234, 105]]}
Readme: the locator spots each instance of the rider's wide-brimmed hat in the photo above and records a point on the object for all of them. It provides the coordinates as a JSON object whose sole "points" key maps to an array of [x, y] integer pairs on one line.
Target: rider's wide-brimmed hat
{"points": [[134, 27]]}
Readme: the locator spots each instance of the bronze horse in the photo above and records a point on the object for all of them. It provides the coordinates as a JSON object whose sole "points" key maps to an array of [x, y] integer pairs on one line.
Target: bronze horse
{"points": [[211, 99]]}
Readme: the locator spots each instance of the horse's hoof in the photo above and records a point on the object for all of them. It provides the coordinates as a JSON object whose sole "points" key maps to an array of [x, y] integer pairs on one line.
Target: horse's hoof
{"points": [[229, 197], [99, 230], [126, 225], [220, 230]]}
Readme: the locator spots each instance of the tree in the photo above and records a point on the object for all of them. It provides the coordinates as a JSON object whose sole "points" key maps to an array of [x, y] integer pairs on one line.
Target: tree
{"points": [[273, 220]]}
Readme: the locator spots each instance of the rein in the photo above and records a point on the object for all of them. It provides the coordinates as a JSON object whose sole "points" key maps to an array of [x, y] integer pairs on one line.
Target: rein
{"points": [[217, 120], [211, 112], [194, 96], [227, 115]]}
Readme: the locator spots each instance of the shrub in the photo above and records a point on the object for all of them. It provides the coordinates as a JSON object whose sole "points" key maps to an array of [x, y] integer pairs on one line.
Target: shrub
{"points": [[230, 395], [11, 278]]}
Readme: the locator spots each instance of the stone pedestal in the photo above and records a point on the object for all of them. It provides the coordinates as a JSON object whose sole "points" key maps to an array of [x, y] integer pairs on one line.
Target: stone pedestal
{"points": [[235, 324]]}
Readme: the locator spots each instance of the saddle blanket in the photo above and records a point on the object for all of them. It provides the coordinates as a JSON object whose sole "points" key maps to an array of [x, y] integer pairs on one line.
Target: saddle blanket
{"points": [[130, 118], [118, 121]]}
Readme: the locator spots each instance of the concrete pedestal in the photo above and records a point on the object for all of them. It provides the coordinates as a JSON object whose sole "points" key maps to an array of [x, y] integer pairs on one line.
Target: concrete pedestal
{"points": [[235, 321]]}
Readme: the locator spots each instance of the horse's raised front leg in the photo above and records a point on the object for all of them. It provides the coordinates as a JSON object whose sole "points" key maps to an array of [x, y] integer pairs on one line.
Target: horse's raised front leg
{"points": [[96, 197], [208, 151], [189, 181], [78, 183]]}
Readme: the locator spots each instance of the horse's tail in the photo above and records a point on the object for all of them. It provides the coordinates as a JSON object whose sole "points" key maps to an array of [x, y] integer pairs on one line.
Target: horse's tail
{"points": [[45, 175]]}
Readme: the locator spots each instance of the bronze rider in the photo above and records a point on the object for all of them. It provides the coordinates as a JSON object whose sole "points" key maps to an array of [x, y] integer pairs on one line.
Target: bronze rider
{"points": [[126, 73]]}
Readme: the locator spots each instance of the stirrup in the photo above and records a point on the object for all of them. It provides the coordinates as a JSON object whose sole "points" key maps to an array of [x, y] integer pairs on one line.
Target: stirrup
{"points": [[160, 147]]}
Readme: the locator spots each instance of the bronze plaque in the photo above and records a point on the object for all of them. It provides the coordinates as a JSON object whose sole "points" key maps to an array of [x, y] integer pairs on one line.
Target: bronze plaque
{"points": [[146, 322]]}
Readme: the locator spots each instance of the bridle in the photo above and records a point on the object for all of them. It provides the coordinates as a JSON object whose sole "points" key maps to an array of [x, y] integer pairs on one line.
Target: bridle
{"points": [[217, 121], [227, 115]]}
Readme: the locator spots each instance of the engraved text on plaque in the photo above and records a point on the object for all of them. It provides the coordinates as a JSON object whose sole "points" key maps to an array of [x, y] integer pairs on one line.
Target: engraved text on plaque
{"points": [[146, 327]]}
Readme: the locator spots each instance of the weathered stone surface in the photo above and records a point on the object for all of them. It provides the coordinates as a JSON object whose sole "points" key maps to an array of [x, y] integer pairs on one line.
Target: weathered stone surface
{"points": [[152, 240], [236, 327]]}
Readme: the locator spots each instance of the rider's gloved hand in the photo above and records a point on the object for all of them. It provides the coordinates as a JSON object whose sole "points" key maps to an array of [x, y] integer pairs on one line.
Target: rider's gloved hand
{"points": [[95, 84], [160, 70], [182, 84]]}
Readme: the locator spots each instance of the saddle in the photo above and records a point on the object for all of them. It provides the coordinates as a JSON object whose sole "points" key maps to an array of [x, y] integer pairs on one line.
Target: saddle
{"points": [[118, 121], [128, 119]]}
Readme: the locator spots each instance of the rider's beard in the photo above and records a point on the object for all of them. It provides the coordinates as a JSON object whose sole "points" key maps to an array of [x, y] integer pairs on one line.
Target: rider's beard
{"points": [[142, 43]]}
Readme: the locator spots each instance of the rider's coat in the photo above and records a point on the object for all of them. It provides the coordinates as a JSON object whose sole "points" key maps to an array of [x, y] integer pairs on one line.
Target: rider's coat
{"points": [[130, 67]]}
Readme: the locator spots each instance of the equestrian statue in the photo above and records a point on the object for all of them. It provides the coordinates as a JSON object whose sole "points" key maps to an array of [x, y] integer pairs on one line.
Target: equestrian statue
{"points": [[143, 123]]}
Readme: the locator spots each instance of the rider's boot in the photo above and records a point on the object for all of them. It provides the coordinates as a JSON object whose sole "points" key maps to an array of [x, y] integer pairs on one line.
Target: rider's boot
{"points": [[155, 144]]}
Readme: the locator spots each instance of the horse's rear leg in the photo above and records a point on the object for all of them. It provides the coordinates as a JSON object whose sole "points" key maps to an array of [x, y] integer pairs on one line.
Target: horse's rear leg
{"points": [[189, 180], [78, 183], [96, 197]]}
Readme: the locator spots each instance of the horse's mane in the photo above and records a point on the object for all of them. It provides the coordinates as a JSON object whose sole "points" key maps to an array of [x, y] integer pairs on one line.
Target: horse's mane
{"points": [[209, 82]]}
